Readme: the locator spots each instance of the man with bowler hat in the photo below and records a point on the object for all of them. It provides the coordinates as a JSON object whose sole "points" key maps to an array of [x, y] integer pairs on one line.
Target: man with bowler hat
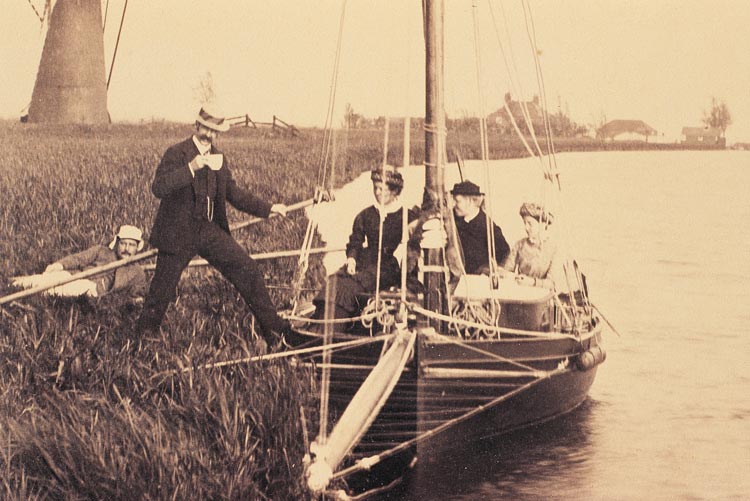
{"points": [[194, 183], [472, 228]]}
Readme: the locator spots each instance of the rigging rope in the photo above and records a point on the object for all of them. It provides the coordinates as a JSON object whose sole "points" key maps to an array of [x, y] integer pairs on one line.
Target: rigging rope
{"points": [[117, 44], [361, 341], [489, 354], [106, 11], [516, 89], [483, 140], [381, 213], [500, 330], [326, 144], [369, 462], [40, 16]]}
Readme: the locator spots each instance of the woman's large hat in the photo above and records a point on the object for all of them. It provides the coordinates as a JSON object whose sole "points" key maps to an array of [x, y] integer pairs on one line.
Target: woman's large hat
{"points": [[536, 211], [212, 117]]}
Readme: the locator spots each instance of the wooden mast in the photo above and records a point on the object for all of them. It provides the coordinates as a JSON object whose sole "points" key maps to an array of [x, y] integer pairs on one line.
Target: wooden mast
{"points": [[434, 145]]}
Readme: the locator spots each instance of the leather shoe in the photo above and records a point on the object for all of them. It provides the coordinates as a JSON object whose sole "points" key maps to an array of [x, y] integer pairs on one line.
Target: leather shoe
{"points": [[291, 339]]}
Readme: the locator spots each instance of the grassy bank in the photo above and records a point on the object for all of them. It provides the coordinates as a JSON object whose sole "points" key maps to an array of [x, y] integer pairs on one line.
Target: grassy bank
{"points": [[83, 418]]}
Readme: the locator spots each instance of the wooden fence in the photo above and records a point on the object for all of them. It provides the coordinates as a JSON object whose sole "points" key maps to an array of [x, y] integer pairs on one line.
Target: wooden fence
{"points": [[277, 125]]}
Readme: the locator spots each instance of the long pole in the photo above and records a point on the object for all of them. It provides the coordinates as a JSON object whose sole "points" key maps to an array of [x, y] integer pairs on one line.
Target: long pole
{"points": [[132, 259], [434, 146]]}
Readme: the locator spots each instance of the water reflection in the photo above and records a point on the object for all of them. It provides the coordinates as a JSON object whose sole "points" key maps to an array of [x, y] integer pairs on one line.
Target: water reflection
{"points": [[548, 459]]}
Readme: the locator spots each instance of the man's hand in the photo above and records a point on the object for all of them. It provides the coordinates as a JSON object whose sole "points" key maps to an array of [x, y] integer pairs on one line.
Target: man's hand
{"points": [[526, 280], [351, 266], [279, 209], [54, 267], [197, 163]]}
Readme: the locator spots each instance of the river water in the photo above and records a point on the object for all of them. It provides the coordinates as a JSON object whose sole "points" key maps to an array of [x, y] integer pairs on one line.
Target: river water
{"points": [[663, 240]]}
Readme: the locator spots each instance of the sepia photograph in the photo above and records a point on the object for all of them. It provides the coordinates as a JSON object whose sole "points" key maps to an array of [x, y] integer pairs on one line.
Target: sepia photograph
{"points": [[387, 250]]}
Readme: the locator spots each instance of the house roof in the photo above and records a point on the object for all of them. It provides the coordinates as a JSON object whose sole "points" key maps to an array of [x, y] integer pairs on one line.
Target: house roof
{"points": [[701, 131], [616, 127], [535, 112]]}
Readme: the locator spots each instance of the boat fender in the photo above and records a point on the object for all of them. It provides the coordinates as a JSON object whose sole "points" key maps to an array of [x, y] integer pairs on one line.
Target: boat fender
{"points": [[591, 358], [318, 472], [318, 475]]}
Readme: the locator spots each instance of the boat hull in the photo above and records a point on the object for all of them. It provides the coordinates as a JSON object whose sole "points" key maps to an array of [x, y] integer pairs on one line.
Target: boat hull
{"points": [[452, 388]]}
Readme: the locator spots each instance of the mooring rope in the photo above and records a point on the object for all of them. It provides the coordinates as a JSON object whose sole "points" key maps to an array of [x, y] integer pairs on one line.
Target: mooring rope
{"points": [[276, 356], [500, 330]]}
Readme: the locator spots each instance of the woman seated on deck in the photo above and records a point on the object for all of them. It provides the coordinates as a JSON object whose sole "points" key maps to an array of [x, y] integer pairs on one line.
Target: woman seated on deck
{"points": [[533, 258], [359, 275]]}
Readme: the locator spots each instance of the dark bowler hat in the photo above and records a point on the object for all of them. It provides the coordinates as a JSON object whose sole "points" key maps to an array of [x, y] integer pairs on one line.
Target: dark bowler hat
{"points": [[466, 188]]}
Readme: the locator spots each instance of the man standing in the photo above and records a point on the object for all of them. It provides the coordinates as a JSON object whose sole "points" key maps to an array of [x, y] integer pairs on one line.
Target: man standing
{"points": [[194, 183], [472, 225], [129, 279]]}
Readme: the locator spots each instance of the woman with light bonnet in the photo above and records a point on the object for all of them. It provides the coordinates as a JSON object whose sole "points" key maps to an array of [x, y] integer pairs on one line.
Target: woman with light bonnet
{"points": [[534, 257]]}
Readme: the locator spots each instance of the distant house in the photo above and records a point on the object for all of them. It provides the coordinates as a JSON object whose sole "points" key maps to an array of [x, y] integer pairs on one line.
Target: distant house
{"points": [[533, 108], [703, 136], [626, 130]]}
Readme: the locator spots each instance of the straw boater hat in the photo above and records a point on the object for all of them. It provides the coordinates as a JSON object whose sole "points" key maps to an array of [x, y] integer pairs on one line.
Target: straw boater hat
{"points": [[130, 233], [212, 117]]}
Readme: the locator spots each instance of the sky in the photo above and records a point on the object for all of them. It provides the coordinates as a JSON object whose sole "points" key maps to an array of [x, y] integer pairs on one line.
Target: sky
{"points": [[660, 61]]}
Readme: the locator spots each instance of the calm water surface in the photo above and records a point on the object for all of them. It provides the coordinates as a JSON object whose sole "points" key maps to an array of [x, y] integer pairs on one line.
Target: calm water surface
{"points": [[663, 239]]}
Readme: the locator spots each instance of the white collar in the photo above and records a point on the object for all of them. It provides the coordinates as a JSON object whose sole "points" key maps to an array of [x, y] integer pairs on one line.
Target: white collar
{"points": [[392, 207], [201, 147], [468, 218]]}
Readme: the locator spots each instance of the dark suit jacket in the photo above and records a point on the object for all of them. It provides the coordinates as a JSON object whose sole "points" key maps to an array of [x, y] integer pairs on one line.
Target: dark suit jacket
{"points": [[176, 224], [473, 238]]}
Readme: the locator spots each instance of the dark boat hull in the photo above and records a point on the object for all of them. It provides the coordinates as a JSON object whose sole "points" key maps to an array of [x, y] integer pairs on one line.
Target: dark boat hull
{"points": [[474, 389]]}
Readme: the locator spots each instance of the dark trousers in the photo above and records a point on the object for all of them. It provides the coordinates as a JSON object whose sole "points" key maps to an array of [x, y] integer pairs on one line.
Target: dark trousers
{"points": [[225, 254]]}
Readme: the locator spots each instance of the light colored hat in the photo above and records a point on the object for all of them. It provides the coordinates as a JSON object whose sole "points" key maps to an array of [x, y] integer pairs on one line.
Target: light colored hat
{"points": [[536, 211], [212, 117], [128, 232]]}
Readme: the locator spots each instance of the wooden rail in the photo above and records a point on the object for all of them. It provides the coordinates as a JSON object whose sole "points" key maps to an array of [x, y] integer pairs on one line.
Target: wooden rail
{"points": [[277, 125]]}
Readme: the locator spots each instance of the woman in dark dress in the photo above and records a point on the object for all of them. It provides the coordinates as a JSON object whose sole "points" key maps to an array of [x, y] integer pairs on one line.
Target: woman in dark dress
{"points": [[359, 275]]}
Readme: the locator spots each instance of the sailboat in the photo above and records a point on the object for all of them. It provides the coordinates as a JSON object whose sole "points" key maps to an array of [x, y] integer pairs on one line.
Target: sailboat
{"points": [[420, 373]]}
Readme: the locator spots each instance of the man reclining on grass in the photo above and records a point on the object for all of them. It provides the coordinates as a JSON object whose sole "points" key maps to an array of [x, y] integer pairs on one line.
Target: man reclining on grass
{"points": [[130, 279]]}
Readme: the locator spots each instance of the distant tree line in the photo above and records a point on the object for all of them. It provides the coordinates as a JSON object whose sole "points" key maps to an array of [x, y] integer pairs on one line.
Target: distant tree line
{"points": [[499, 123]]}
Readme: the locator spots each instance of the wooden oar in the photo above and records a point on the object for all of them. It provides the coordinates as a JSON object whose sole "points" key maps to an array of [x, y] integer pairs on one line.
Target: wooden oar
{"points": [[132, 259], [78, 276]]}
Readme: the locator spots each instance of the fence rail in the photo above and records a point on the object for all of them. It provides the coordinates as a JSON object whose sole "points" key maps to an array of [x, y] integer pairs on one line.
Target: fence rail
{"points": [[277, 125]]}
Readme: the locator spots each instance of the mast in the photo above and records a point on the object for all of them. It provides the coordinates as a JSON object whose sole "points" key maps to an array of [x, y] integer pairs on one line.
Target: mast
{"points": [[434, 145]]}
